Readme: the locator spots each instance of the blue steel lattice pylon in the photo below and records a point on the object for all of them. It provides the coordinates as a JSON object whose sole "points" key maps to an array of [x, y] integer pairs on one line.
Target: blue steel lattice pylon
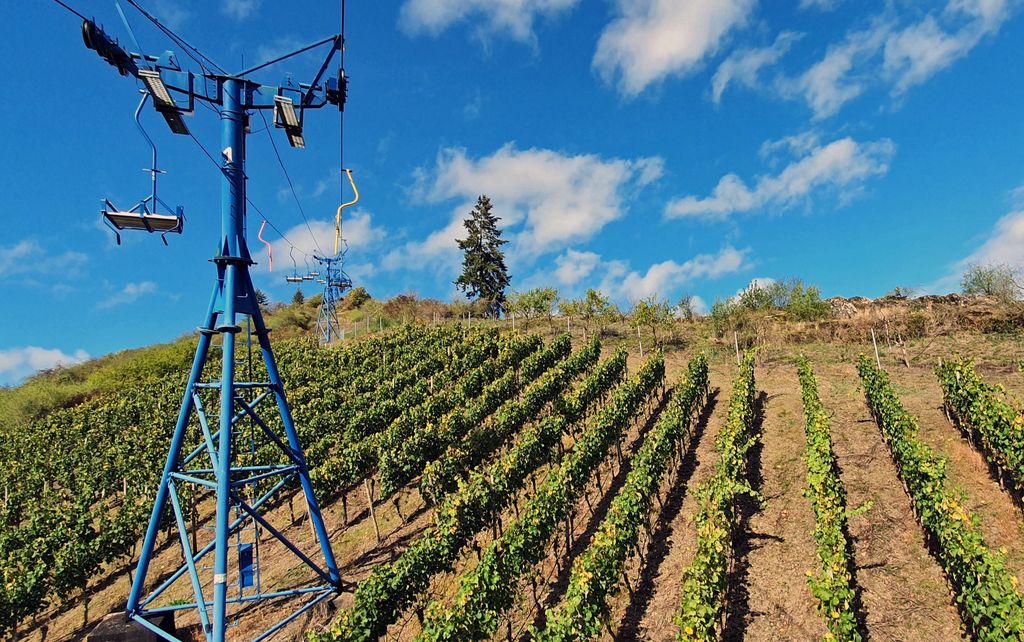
{"points": [[206, 452], [336, 282]]}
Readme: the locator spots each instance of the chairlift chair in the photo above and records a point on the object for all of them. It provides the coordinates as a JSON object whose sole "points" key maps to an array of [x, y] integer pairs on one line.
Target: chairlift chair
{"points": [[144, 216], [294, 278]]}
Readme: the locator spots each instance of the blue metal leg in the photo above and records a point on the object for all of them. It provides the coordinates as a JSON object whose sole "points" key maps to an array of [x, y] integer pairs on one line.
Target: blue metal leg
{"points": [[202, 351], [293, 441]]}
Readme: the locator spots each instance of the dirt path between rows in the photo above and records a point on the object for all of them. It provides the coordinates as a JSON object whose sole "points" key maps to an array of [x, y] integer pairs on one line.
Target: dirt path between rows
{"points": [[648, 616], [1001, 519], [779, 536], [628, 609], [904, 591]]}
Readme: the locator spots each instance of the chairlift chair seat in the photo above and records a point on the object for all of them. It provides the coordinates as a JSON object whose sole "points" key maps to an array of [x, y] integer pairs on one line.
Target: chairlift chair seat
{"points": [[161, 223], [140, 218]]}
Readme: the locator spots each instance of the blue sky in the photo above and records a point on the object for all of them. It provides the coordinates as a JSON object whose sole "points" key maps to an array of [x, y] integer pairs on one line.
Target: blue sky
{"points": [[645, 147]]}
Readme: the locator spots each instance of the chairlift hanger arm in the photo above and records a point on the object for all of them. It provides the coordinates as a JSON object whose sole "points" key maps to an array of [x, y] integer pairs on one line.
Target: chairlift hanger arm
{"points": [[336, 39], [308, 98], [337, 218]]}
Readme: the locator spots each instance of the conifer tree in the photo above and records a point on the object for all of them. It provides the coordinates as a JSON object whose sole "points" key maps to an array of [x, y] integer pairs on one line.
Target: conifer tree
{"points": [[484, 274]]}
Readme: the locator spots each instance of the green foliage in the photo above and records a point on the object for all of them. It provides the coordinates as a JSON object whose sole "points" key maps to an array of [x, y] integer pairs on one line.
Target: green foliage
{"points": [[531, 304], [994, 279], [394, 586], [484, 274], [403, 424], [53, 390], [986, 416], [442, 475], [593, 308], [78, 482], [298, 298], [806, 304], [759, 297], [799, 302], [990, 605], [355, 298], [598, 308], [704, 581], [262, 299], [487, 591], [900, 293], [405, 453], [296, 318], [728, 315], [571, 308], [834, 586], [652, 313], [596, 573]]}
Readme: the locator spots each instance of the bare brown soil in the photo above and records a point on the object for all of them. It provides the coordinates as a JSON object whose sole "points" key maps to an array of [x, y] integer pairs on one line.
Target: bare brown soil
{"points": [[1001, 518], [778, 540], [904, 592], [647, 614]]}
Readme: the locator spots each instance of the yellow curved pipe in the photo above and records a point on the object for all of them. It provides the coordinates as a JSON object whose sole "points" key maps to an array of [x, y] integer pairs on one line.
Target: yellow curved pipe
{"points": [[337, 218]]}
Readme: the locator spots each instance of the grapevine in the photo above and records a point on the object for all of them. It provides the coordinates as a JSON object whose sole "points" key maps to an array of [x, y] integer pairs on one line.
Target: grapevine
{"points": [[393, 586], [986, 592], [834, 587], [595, 575], [986, 416], [704, 581], [404, 453], [441, 475], [488, 590]]}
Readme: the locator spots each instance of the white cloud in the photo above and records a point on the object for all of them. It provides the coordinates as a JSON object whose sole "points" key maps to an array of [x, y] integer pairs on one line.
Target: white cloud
{"points": [[318, 238], [757, 283], [170, 12], [1017, 197], [650, 40], [897, 53], [917, 53], [823, 5], [574, 266], [240, 9], [16, 258], [546, 200], [1001, 247], [699, 305], [843, 166], [663, 279], [1003, 244], [512, 18], [130, 293], [28, 257], [471, 110], [828, 84], [797, 144], [18, 363], [744, 65]]}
